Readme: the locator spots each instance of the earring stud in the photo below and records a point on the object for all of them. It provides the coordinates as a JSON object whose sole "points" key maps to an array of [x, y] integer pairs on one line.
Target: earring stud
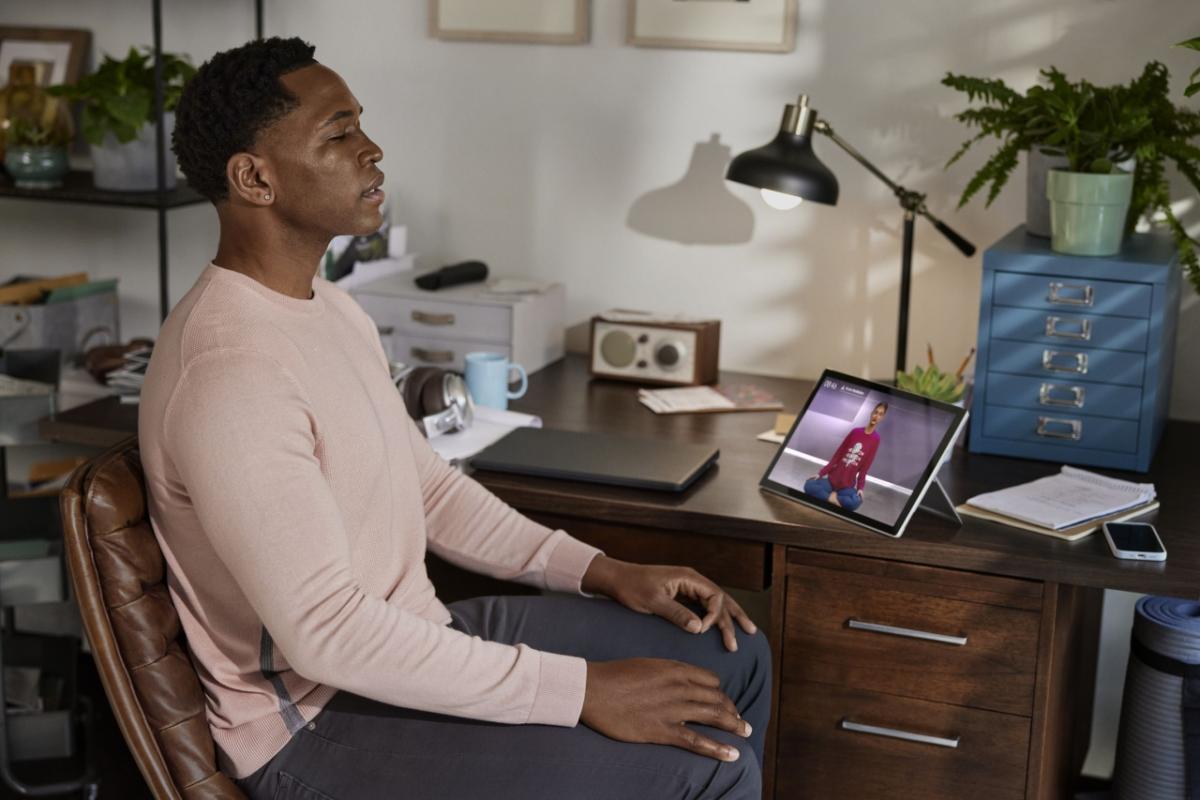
{"points": [[267, 197]]}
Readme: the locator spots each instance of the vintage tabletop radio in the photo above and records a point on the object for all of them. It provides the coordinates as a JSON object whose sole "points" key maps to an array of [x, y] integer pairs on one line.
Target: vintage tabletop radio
{"points": [[664, 349]]}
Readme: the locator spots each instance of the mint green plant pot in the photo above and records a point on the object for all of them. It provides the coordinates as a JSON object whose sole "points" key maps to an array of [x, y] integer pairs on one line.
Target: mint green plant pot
{"points": [[1087, 211]]}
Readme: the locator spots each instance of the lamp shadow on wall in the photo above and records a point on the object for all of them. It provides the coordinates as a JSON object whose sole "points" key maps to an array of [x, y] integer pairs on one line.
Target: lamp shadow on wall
{"points": [[698, 208]]}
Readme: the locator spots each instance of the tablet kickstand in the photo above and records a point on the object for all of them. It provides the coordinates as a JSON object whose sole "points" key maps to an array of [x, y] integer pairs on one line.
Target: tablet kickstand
{"points": [[937, 501]]}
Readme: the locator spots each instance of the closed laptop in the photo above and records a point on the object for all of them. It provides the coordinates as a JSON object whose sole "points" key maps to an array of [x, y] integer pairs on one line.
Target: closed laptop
{"points": [[598, 458]]}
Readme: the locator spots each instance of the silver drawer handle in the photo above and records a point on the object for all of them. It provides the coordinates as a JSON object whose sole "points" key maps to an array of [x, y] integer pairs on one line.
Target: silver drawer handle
{"points": [[385, 330], [1046, 396], [893, 733], [1078, 363], [426, 318], [1084, 333], [1074, 432], [1086, 296], [910, 633], [433, 356]]}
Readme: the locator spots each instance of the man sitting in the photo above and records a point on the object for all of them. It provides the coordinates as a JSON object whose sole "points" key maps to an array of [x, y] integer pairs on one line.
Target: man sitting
{"points": [[294, 501]]}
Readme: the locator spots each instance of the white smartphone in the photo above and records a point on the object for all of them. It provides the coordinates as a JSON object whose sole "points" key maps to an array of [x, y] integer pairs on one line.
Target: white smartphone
{"points": [[1136, 540]]}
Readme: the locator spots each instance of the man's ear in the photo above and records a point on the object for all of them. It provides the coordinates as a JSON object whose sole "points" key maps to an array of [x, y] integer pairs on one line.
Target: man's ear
{"points": [[249, 179]]}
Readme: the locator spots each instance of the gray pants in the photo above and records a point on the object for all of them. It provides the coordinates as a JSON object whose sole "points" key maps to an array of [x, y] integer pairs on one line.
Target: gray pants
{"points": [[358, 749]]}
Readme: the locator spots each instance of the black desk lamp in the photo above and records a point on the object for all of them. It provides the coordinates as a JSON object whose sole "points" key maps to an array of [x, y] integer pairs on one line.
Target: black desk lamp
{"points": [[787, 171]]}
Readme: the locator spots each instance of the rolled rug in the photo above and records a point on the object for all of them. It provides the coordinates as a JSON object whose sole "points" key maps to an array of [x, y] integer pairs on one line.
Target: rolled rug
{"points": [[1158, 744]]}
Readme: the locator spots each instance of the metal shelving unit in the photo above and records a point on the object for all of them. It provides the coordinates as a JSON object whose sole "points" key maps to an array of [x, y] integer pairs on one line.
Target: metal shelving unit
{"points": [[30, 516]]}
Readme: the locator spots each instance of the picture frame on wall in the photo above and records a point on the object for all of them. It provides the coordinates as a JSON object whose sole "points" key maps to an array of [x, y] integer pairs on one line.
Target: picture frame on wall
{"points": [[762, 26], [530, 21], [57, 53]]}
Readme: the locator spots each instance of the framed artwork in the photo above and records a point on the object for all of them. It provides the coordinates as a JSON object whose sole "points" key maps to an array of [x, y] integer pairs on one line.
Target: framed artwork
{"points": [[56, 54], [537, 21], [765, 26]]}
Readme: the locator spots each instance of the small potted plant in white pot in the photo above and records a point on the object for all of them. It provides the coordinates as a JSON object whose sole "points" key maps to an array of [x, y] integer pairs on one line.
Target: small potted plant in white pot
{"points": [[119, 121]]}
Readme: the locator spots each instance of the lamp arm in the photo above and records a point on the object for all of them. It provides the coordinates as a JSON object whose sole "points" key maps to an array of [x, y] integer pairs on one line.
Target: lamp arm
{"points": [[912, 202]]}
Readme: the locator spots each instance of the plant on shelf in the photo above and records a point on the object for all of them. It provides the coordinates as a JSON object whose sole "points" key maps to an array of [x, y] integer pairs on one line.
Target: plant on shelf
{"points": [[931, 382], [36, 130], [118, 115], [1094, 128]]}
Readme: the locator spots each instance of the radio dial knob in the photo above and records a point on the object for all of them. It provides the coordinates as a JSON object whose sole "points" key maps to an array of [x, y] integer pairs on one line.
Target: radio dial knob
{"points": [[670, 354]]}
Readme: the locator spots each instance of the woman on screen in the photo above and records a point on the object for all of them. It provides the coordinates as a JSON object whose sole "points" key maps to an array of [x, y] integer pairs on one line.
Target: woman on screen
{"points": [[842, 479]]}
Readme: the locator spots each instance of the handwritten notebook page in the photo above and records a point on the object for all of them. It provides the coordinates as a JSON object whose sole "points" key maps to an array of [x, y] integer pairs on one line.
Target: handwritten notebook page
{"points": [[1070, 498]]}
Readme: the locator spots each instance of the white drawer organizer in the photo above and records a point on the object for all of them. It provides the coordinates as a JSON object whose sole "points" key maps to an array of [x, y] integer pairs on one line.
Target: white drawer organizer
{"points": [[439, 328]]}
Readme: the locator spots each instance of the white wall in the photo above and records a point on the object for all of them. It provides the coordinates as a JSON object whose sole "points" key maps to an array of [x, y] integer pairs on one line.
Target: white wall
{"points": [[531, 157]]}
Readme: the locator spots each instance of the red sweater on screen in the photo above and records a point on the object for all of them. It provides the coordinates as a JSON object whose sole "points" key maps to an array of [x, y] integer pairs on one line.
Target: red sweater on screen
{"points": [[853, 458]]}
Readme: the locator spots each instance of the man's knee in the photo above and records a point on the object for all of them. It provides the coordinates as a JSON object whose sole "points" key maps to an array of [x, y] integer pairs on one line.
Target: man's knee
{"points": [[736, 780]]}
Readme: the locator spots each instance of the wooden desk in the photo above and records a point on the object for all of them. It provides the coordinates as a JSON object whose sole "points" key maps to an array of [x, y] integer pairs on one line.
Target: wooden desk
{"points": [[1017, 695]]}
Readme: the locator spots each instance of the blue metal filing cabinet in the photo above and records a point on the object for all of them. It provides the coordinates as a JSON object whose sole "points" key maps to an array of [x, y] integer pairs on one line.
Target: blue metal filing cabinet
{"points": [[1075, 352]]}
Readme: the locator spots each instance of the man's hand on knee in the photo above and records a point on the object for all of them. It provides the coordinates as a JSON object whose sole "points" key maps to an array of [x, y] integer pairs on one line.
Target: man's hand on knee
{"points": [[653, 589], [650, 699]]}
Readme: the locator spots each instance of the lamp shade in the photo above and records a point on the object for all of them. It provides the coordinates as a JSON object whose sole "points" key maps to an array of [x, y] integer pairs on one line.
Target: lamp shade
{"points": [[786, 164]]}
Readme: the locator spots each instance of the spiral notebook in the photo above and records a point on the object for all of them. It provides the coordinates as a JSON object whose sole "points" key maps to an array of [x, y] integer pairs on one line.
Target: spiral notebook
{"points": [[1070, 504]]}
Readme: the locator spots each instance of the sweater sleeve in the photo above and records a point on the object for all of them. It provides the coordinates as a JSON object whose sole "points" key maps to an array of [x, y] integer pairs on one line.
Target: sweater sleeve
{"points": [[472, 528], [243, 438]]}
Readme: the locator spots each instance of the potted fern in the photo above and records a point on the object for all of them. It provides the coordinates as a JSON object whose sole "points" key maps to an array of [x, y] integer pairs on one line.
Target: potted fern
{"points": [[119, 121], [1095, 128]]}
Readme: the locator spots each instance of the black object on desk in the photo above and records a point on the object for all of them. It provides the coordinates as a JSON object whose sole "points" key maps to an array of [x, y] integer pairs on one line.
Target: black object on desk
{"points": [[598, 458], [453, 275]]}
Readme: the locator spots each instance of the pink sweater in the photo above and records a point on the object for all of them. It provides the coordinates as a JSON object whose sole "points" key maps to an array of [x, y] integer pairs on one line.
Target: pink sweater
{"points": [[294, 500]]}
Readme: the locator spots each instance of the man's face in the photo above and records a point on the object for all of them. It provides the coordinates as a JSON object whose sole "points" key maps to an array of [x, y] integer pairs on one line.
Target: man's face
{"points": [[323, 166], [877, 414]]}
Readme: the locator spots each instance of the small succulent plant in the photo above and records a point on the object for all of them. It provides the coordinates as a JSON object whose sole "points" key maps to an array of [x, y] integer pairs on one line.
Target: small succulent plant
{"points": [[931, 382]]}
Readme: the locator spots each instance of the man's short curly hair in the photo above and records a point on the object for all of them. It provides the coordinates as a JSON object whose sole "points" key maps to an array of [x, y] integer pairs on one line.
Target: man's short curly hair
{"points": [[233, 97]]}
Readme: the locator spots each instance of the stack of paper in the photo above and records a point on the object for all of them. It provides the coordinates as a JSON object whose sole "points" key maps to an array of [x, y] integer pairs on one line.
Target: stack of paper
{"points": [[708, 399], [1068, 505], [127, 379]]}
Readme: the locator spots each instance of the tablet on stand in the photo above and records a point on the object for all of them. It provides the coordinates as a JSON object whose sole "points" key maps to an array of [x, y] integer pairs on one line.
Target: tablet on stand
{"points": [[868, 453]]}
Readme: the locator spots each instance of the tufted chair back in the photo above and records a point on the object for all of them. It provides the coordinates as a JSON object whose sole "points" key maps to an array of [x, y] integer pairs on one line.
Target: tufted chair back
{"points": [[119, 578]]}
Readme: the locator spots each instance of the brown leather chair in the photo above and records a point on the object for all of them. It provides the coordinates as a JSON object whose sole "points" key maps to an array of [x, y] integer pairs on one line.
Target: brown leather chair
{"points": [[119, 578]]}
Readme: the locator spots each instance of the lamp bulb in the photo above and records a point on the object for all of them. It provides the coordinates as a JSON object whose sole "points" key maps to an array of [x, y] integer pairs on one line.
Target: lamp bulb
{"points": [[779, 200]]}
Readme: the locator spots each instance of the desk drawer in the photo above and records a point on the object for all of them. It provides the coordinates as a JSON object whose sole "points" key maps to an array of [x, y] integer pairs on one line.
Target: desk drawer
{"points": [[905, 635], [1064, 396], [445, 353], [1066, 362], [1055, 293], [439, 319], [819, 757], [1061, 428], [1067, 328]]}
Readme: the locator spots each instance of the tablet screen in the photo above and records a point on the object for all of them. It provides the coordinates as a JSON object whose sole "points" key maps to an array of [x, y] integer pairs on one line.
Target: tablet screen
{"points": [[864, 451]]}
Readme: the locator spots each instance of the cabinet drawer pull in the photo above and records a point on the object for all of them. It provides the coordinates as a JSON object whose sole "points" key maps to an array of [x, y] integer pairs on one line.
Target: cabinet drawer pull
{"points": [[1074, 432], [433, 356], [385, 330], [1084, 333], [893, 733], [1086, 296], [1046, 396], [909, 633], [426, 318], [1078, 362]]}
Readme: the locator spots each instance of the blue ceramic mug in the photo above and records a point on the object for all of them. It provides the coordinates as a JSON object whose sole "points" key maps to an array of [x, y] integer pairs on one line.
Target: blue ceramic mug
{"points": [[488, 379]]}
